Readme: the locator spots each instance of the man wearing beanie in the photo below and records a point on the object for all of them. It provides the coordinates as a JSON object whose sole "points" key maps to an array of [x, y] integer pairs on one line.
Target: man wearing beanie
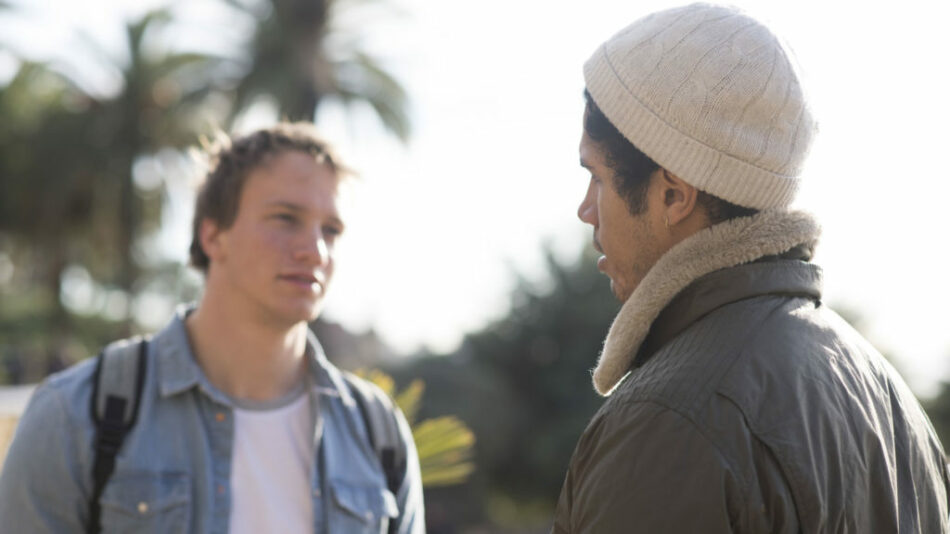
{"points": [[736, 400]]}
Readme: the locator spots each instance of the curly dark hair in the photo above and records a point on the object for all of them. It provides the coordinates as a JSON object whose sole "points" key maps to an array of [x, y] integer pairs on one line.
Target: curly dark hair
{"points": [[233, 159], [632, 169]]}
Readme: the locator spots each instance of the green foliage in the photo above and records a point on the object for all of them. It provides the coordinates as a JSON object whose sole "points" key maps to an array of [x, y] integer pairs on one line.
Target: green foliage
{"points": [[68, 184], [409, 400], [545, 349], [523, 386], [445, 447], [444, 443]]}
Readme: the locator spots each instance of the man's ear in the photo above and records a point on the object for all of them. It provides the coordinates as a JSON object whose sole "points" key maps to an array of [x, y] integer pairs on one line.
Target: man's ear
{"points": [[213, 239], [679, 197]]}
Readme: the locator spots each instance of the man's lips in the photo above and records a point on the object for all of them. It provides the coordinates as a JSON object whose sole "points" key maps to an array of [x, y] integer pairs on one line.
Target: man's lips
{"points": [[602, 260], [304, 280]]}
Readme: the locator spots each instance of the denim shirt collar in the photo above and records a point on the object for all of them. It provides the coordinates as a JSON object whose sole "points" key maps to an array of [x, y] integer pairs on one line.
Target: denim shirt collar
{"points": [[178, 369]]}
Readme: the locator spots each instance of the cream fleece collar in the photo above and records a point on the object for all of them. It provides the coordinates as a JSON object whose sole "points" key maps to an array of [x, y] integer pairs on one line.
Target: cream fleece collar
{"points": [[724, 245]]}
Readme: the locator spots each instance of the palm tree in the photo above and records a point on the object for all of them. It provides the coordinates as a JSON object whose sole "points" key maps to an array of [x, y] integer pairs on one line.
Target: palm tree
{"points": [[46, 192], [67, 158], [291, 61], [160, 105]]}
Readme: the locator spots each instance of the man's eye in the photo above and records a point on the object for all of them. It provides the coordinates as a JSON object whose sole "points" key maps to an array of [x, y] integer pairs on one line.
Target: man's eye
{"points": [[332, 231], [285, 217]]}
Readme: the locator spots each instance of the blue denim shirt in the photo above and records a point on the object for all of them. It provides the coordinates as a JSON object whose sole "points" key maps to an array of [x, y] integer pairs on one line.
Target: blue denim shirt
{"points": [[172, 473]]}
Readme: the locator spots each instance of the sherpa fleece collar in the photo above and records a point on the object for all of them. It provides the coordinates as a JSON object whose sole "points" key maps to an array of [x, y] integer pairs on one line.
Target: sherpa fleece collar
{"points": [[728, 244]]}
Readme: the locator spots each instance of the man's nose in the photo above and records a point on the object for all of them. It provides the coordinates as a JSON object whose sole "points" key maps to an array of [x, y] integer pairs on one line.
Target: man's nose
{"points": [[313, 247], [587, 211]]}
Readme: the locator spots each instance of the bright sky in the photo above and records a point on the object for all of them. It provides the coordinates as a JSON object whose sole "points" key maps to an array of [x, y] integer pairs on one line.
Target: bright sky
{"points": [[491, 173]]}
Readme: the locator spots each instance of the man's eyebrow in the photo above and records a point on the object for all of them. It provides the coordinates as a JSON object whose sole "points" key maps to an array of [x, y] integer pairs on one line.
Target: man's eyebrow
{"points": [[334, 219], [286, 205]]}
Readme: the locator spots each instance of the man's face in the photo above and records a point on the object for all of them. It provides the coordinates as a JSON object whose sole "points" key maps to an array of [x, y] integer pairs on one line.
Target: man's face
{"points": [[276, 259], [629, 243]]}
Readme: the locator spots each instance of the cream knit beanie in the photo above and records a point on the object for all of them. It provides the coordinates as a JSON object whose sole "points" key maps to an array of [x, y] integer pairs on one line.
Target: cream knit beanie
{"points": [[711, 95]]}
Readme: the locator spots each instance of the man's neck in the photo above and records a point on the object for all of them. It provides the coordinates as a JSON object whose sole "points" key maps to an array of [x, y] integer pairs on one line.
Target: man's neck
{"points": [[246, 359]]}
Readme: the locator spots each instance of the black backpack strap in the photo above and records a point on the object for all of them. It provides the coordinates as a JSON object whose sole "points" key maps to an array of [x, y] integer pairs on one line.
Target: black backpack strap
{"points": [[379, 416], [118, 377]]}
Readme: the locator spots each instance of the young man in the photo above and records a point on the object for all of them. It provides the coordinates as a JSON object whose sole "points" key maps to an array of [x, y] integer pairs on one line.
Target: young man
{"points": [[738, 402], [243, 425]]}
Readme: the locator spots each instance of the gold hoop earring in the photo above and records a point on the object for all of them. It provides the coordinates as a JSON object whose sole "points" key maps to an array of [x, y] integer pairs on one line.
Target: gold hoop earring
{"points": [[667, 222]]}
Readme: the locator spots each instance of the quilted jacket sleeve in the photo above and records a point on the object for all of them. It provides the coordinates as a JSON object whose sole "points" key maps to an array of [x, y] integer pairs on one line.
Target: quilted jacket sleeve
{"points": [[642, 468]]}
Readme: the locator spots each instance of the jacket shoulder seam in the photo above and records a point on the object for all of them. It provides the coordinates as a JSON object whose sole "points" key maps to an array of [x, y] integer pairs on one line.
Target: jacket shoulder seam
{"points": [[701, 430]]}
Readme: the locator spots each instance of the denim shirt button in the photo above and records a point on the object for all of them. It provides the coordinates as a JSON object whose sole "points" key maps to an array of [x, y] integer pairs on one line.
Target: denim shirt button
{"points": [[219, 417], [316, 493], [221, 489], [143, 508]]}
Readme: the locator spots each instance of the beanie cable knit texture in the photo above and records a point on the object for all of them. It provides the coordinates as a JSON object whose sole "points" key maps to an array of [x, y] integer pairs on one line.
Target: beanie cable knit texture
{"points": [[711, 95]]}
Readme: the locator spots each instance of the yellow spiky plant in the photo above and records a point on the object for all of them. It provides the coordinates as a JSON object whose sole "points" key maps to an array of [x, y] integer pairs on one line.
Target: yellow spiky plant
{"points": [[444, 443]]}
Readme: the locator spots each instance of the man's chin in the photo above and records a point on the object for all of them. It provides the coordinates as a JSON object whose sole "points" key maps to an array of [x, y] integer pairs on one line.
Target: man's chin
{"points": [[315, 312], [309, 313], [301, 313], [616, 291], [620, 293]]}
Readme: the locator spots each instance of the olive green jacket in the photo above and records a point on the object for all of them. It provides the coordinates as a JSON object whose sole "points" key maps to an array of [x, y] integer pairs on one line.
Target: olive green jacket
{"points": [[749, 406]]}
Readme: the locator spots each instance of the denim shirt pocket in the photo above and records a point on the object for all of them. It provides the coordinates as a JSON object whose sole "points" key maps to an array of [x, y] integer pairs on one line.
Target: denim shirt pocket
{"points": [[142, 501], [361, 509]]}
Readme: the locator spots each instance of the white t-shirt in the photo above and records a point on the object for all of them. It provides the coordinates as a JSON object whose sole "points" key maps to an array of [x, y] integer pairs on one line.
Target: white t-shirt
{"points": [[271, 466]]}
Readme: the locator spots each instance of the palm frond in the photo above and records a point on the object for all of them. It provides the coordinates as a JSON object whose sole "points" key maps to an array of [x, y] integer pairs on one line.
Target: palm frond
{"points": [[381, 379], [290, 62], [409, 400], [173, 64], [135, 31], [363, 79], [444, 444], [445, 448]]}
